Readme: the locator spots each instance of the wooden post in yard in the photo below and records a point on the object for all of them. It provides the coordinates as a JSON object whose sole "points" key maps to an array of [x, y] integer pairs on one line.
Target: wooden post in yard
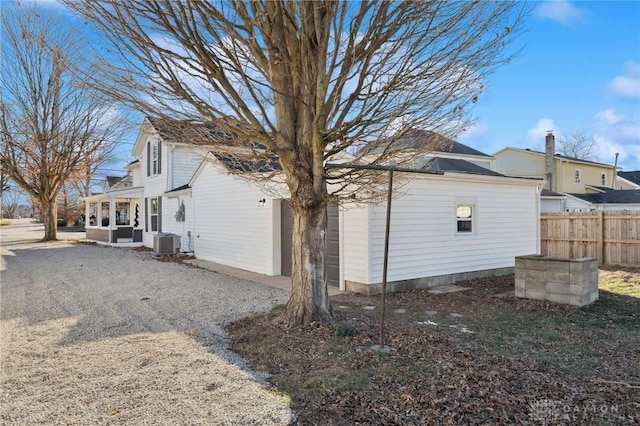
{"points": [[600, 238]]}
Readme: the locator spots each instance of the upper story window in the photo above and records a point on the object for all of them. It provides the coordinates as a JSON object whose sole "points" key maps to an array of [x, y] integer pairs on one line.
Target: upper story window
{"points": [[154, 158], [603, 179], [577, 178]]}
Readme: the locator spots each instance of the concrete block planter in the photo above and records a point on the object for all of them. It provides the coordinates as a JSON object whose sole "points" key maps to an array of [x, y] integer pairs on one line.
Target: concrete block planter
{"points": [[568, 281]]}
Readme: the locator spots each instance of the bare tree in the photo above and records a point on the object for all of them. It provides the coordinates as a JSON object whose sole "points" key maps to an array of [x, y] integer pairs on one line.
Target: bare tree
{"points": [[10, 202], [4, 182], [306, 83], [578, 145], [50, 121]]}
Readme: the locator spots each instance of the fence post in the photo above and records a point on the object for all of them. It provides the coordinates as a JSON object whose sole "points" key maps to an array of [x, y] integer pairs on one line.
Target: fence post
{"points": [[600, 238]]}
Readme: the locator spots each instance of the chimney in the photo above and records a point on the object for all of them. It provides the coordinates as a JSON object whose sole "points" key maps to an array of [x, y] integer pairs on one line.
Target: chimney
{"points": [[549, 153]]}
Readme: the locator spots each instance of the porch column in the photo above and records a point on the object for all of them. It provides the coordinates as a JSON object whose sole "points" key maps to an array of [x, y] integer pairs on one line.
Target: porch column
{"points": [[113, 229], [87, 209]]}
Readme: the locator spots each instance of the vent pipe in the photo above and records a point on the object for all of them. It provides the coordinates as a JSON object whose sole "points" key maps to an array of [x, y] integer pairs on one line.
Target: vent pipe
{"points": [[615, 172]]}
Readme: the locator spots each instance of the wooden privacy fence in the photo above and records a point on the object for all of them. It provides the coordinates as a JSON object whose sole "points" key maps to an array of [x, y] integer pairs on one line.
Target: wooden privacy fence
{"points": [[611, 237]]}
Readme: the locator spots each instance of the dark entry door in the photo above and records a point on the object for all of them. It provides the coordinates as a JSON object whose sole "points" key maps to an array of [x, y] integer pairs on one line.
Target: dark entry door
{"points": [[333, 241]]}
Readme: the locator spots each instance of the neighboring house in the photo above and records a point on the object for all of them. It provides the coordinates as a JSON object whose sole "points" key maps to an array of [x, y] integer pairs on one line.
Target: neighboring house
{"points": [[117, 182], [444, 148], [552, 202], [150, 200], [628, 180], [604, 199], [462, 221], [563, 174]]}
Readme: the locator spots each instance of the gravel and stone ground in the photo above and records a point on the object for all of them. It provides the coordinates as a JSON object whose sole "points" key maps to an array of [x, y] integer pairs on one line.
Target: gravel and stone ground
{"points": [[98, 335]]}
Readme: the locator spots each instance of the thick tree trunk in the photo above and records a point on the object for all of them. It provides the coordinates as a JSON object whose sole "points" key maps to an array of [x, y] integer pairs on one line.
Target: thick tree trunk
{"points": [[50, 211], [309, 300]]}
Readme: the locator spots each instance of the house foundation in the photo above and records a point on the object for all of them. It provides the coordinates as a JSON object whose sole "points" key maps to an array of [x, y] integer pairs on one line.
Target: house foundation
{"points": [[424, 282]]}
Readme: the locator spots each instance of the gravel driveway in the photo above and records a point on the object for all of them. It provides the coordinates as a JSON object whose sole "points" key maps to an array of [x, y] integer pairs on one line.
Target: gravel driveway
{"points": [[98, 335]]}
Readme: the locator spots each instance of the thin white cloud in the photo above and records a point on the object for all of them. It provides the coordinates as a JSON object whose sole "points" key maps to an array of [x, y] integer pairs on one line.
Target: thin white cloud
{"points": [[617, 126], [605, 150], [473, 132], [608, 116], [628, 85], [541, 129], [561, 11], [617, 133]]}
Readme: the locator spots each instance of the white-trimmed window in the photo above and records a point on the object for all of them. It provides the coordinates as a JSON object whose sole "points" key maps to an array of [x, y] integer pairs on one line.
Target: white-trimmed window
{"points": [[154, 158], [93, 214], [603, 179], [122, 213], [153, 214], [465, 214], [106, 212], [577, 176]]}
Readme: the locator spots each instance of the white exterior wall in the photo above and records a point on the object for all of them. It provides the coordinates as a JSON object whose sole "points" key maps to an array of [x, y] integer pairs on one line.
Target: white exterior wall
{"points": [[423, 237], [482, 163], [171, 225], [230, 226], [154, 186], [552, 205], [574, 204], [184, 163], [355, 243], [518, 163], [136, 175], [621, 207]]}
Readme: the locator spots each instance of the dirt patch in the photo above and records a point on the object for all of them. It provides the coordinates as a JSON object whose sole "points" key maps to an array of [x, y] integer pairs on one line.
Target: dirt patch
{"points": [[467, 357]]}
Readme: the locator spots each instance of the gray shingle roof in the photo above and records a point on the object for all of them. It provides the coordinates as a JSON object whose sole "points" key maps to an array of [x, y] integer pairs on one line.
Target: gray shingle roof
{"points": [[419, 139], [633, 176], [112, 180], [185, 132], [239, 164], [180, 188], [612, 196], [453, 165], [566, 157], [547, 193]]}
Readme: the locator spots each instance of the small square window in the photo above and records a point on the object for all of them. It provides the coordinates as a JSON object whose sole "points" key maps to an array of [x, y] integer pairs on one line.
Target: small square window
{"points": [[603, 179], [464, 218], [577, 178]]}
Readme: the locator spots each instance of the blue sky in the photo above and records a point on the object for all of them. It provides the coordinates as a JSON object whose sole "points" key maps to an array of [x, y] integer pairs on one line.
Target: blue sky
{"points": [[579, 71]]}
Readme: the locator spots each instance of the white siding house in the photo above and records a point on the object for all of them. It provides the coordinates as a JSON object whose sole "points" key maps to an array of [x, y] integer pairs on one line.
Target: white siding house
{"points": [[239, 225], [236, 224], [463, 222], [425, 245], [159, 200]]}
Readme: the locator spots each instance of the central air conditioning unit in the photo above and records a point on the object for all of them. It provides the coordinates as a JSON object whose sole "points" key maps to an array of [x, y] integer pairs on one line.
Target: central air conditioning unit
{"points": [[166, 244]]}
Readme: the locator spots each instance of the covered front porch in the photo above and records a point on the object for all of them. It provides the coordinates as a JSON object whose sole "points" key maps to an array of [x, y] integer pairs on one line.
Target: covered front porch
{"points": [[115, 217]]}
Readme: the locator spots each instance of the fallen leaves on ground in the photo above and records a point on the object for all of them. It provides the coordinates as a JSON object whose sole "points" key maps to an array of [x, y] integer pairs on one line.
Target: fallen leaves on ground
{"points": [[524, 360]]}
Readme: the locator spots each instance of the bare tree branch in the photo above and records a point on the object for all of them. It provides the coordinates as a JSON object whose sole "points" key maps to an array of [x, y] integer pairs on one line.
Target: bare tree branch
{"points": [[310, 82], [578, 145]]}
